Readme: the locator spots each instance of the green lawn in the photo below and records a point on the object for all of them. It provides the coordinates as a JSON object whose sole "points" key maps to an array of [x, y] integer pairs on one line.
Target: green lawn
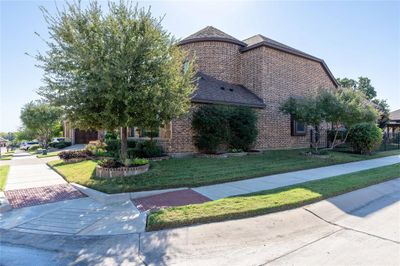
{"points": [[6, 156], [269, 200], [3, 176], [193, 172], [50, 154]]}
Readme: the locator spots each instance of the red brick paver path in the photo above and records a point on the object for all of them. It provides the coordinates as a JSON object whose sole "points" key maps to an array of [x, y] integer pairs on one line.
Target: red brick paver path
{"points": [[170, 199], [20, 198]]}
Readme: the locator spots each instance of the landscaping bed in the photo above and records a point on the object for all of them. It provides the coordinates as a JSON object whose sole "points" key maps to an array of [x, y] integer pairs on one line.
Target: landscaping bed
{"points": [[192, 172], [268, 201]]}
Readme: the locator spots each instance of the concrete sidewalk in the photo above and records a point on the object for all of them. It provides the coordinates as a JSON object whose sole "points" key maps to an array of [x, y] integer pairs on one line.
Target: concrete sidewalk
{"points": [[224, 190], [357, 228], [27, 171]]}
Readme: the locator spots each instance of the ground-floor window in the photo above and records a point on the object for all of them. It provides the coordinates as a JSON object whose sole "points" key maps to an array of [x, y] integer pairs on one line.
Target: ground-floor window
{"points": [[298, 128], [140, 132]]}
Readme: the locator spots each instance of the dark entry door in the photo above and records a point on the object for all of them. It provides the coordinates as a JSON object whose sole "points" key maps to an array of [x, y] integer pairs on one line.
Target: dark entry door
{"points": [[84, 136]]}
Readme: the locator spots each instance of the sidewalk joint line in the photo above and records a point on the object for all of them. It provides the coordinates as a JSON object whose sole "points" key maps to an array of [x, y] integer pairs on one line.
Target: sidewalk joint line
{"points": [[351, 229]]}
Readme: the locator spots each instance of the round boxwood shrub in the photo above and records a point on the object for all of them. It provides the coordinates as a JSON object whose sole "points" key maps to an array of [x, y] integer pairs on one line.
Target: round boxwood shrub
{"points": [[364, 137]]}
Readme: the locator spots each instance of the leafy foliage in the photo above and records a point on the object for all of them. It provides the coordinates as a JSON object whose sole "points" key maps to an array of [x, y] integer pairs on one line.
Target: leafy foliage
{"points": [[344, 107], [40, 119], [243, 128], [220, 126], [34, 147], [146, 149], [116, 69], [111, 163], [365, 137], [66, 155]]}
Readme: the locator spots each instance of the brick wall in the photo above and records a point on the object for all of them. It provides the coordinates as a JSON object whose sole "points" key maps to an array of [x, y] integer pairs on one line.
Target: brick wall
{"points": [[217, 59], [271, 74]]}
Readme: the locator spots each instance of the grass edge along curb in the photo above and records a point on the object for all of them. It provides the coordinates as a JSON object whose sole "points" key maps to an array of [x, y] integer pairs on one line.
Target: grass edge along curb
{"points": [[355, 181], [3, 177]]}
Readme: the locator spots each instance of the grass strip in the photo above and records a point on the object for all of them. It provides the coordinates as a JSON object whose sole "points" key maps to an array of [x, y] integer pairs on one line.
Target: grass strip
{"points": [[268, 201], [3, 176], [50, 154]]}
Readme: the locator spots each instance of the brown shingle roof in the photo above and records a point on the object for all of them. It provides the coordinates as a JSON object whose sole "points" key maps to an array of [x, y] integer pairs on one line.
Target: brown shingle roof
{"points": [[212, 90], [395, 115], [210, 33]]}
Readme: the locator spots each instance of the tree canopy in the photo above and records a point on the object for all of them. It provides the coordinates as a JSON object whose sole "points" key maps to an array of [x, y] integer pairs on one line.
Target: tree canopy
{"points": [[114, 70], [344, 107], [41, 119]]}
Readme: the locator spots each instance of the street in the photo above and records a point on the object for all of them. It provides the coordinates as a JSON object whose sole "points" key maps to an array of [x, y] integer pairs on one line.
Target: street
{"points": [[345, 230]]}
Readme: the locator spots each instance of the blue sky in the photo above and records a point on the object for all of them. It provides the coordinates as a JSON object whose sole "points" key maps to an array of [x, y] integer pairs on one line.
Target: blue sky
{"points": [[354, 38]]}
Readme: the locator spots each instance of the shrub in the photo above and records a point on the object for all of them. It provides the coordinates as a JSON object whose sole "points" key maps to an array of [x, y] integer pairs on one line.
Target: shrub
{"points": [[219, 126], [211, 125], [97, 148], [150, 149], [110, 163], [111, 136], [243, 128], [113, 147], [34, 147], [62, 144], [66, 155], [131, 144], [365, 137], [136, 162]]}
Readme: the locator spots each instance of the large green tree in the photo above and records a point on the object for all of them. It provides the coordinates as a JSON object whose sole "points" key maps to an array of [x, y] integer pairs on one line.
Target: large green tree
{"points": [[115, 69], [40, 118], [363, 84]]}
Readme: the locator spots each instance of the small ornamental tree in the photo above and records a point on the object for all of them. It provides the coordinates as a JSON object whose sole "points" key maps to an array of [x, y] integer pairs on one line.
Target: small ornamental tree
{"points": [[40, 119], [307, 111], [342, 108], [114, 70]]}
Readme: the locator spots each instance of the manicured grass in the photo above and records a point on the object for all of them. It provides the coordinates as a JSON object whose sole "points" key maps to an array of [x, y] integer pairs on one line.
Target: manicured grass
{"points": [[50, 154], [3, 176], [5, 157], [269, 200], [193, 172]]}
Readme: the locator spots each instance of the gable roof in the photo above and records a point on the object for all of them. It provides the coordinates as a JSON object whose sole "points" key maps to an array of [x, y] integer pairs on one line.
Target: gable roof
{"points": [[260, 40], [212, 90], [210, 33], [395, 115]]}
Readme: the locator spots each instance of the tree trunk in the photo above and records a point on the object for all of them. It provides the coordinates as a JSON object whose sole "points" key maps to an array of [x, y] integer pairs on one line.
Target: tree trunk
{"points": [[124, 144]]}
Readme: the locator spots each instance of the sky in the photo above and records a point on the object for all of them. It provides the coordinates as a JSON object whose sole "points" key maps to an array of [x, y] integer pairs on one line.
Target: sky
{"points": [[354, 38]]}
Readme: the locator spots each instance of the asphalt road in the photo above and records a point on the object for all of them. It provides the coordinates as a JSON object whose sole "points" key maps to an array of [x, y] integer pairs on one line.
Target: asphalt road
{"points": [[357, 228]]}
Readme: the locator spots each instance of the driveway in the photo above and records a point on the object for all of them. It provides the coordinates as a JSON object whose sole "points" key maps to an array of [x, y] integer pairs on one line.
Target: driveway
{"points": [[357, 228]]}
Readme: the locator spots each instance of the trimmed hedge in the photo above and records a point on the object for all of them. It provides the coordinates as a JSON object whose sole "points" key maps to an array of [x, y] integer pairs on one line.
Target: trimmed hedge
{"points": [[218, 127]]}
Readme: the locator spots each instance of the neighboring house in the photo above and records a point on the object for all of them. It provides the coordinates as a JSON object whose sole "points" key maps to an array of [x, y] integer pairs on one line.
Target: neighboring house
{"points": [[3, 142], [257, 72], [393, 126]]}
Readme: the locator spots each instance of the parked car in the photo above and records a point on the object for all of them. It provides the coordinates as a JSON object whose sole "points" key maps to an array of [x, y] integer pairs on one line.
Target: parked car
{"points": [[26, 144], [54, 140]]}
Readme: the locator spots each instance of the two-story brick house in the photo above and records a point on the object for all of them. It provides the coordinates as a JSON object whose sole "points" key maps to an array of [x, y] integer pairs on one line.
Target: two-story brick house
{"points": [[257, 72]]}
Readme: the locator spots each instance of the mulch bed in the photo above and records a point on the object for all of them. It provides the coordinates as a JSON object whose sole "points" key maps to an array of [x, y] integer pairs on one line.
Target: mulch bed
{"points": [[20, 198], [170, 199]]}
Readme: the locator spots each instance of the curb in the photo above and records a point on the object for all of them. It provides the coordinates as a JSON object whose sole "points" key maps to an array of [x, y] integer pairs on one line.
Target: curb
{"points": [[112, 198], [4, 203]]}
